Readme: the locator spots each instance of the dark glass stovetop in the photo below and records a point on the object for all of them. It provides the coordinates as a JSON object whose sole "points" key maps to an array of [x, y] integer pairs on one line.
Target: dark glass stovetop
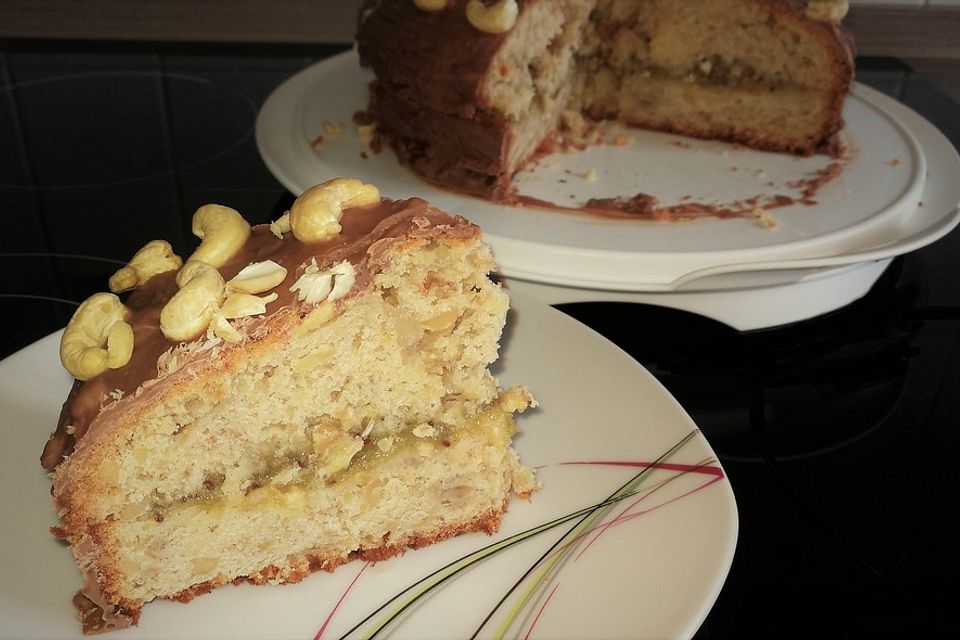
{"points": [[840, 434]]}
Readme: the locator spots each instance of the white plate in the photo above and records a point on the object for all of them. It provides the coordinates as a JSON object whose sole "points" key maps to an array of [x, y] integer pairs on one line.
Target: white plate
{"points": [[870, 207], [655, 574]]}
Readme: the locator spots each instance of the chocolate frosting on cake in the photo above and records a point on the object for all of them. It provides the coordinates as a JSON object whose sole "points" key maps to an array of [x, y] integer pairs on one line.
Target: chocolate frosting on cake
{"points": [[436, 59], [430, 68]]}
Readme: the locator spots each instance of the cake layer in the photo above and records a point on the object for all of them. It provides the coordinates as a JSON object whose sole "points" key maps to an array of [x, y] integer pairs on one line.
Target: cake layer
{"points": [[418, 487], [749, 71]]}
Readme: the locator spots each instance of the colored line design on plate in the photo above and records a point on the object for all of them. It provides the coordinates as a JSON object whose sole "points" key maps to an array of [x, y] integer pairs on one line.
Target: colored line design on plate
{"points": [[530, 595]]}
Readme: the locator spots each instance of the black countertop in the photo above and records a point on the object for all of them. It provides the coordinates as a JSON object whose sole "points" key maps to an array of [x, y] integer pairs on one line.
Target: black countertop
{"points": [[840, 434]]}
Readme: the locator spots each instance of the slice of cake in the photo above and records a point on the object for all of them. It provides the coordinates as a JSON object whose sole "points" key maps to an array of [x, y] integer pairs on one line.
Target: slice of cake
{"points": [[290, 397], [468, 92]]}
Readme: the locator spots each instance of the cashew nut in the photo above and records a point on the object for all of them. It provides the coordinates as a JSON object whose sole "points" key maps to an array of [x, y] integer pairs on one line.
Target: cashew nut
{"points": [[430, 5], [222, 230], [153, 258], [827, 10], [97, 337], [315, 215], [188, 271], [497, 18], [188, 313]]}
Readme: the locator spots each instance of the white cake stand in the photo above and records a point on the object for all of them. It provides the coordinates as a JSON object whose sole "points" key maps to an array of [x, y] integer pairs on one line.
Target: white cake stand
{"points": [[898, 191]]}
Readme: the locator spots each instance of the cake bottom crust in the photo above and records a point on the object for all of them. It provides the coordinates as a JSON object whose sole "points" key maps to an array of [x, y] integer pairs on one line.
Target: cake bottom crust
{"points": [[306, 563], [96, 620]]}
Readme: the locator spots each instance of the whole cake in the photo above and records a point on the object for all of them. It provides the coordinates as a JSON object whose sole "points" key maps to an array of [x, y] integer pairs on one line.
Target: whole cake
{"points": [[290, 397], [468, 92]]}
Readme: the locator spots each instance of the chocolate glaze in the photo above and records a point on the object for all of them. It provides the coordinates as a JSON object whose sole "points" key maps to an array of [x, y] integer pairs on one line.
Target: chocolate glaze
{"points": [[428, 100], [643, 206], [467, 155], [435, 59], [96, 613], [366, 235]]}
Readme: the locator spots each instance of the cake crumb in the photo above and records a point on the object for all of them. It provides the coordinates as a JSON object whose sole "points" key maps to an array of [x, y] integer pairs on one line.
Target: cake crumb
{"points": [[366, 132], [764, 218], [333, 129], [425, 431], [316, 143]]}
